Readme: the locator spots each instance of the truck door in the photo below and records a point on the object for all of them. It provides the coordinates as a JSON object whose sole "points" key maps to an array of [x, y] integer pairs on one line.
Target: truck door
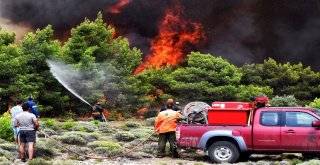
{"points": [[266, 131], [297, 134]]}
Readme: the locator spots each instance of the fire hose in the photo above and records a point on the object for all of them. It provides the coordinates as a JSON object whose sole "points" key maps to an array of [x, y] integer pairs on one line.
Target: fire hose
{"points": [[97, 157]]}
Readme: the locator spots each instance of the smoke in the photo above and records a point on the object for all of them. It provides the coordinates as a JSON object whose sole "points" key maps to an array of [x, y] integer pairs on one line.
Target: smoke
{"points": [[242, 31]]}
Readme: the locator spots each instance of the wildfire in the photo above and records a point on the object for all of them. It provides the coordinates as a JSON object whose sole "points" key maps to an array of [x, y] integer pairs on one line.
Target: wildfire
{"points": [[115, 9], [175, 34]]}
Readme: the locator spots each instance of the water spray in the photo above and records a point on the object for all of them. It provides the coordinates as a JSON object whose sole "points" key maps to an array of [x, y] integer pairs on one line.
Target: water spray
{"points": [[61, 71]]}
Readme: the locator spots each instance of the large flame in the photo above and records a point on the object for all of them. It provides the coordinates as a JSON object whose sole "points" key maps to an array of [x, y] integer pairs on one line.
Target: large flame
{"points": [[175, 34], [116, 9]]}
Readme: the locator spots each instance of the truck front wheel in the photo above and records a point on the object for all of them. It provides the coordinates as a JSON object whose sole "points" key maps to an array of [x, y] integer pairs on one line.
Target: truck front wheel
{"points": [[223, 152]]}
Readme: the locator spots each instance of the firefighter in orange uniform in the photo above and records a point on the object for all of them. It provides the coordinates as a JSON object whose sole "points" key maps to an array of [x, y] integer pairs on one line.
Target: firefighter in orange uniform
{"points": [[165, 124]]}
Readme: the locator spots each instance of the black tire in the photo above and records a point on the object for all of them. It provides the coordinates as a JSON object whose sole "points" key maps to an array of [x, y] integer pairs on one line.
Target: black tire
{"points": [[223, 152]]}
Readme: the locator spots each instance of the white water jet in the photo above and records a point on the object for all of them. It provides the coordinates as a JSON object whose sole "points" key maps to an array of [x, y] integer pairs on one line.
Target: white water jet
{"points": [[66, 75]]}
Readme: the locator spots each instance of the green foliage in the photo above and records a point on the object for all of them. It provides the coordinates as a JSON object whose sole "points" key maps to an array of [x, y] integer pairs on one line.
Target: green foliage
{"points": [[108, 148], [132, 124], [125, 136], [283, 101], [68, 125], [45, 149], [8, 146], [244, 91], [6, 131], [315, 103], [73, 139], [50, 123], [206, 78], [39, 161], [285, 79], [5, 153], [295, 161]]}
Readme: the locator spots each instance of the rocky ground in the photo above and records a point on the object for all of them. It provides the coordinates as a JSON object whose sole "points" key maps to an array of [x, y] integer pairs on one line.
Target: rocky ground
{"points": [[114, 141]]}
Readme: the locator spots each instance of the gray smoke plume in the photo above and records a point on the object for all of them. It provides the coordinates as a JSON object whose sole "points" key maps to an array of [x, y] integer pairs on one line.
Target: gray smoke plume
{"points": [[243, 31]]}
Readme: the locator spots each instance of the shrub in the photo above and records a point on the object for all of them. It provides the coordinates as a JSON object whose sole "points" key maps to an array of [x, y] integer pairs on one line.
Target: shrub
{"points": [[89, 137], [5, 153], [114, 116], [138, 155], [85, 127], [315, 103], [8, 146], [50, 123], [68, 125], [65, 162], [125, 136], [150, 114], [48, 131], [141, 132], [73, 139], [295, 161], [39, 161], [6, 131], [96, 122], [284, 101], [108, 144], [43, 149], [107, 151], [150, 121], [108, 148], [132, 124]]}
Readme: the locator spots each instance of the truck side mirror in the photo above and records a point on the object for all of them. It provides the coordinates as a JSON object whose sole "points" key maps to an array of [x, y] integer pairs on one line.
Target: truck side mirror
{"points": [[316, 123]]}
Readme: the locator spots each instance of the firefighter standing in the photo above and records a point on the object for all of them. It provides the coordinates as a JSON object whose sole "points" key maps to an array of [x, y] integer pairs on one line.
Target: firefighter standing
{"points": [[97, 112], [165, 125], [175, 107]]}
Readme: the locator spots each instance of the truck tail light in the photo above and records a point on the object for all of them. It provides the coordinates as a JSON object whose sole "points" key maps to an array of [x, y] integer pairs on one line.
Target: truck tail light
{"points": [[178, 133]]}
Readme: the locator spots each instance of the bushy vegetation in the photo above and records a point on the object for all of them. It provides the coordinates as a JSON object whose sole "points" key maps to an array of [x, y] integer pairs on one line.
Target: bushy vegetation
{"points": [[73, 139], [50, 123], [132, 124], [39, 161], [108, 148], [68, 125], [6, 131], [125, 136], [284, 101], [315, 103]]}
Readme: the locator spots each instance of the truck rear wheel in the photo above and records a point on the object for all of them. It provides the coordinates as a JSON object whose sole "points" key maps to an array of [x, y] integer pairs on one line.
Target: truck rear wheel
{"points": [[223, 151]]}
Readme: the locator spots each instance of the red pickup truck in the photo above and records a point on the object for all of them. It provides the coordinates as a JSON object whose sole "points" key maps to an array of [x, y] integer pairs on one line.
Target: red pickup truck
{"points": [[268, 130]]}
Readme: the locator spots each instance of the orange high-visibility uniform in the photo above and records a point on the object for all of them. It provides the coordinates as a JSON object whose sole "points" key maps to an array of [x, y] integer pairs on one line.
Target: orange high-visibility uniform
{"points": [[165, 116]]}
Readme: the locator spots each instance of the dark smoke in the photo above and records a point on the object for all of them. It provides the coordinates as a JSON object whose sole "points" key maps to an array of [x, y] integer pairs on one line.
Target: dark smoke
{"points": [[243, 31]]}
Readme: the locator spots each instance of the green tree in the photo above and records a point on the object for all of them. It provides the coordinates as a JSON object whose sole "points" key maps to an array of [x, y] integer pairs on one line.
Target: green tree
{"points": [[315, 103], [205, 78], [285, 79], [284, 101], [106, 64]]}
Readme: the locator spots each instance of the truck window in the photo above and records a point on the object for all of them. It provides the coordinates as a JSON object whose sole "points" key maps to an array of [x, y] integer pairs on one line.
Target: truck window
{"points": [[269, 118], [299, 119]]}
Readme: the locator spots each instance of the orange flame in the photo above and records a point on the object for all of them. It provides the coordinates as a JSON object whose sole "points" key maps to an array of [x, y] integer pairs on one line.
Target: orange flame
{"points": [[115, 9], [175, 34]]}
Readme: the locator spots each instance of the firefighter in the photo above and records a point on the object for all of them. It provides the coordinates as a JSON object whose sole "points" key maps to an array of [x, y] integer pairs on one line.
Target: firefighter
{"points": [[97, 112], [175, 106], [165, 124], [33, 107]]}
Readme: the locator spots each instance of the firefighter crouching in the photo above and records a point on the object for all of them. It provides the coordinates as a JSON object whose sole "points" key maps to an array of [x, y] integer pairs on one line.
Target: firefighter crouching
{"points": [[166, 132]]}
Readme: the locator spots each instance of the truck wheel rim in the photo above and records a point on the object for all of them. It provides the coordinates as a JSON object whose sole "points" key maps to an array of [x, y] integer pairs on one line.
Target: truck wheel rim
{"points": [[222, 153]]}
